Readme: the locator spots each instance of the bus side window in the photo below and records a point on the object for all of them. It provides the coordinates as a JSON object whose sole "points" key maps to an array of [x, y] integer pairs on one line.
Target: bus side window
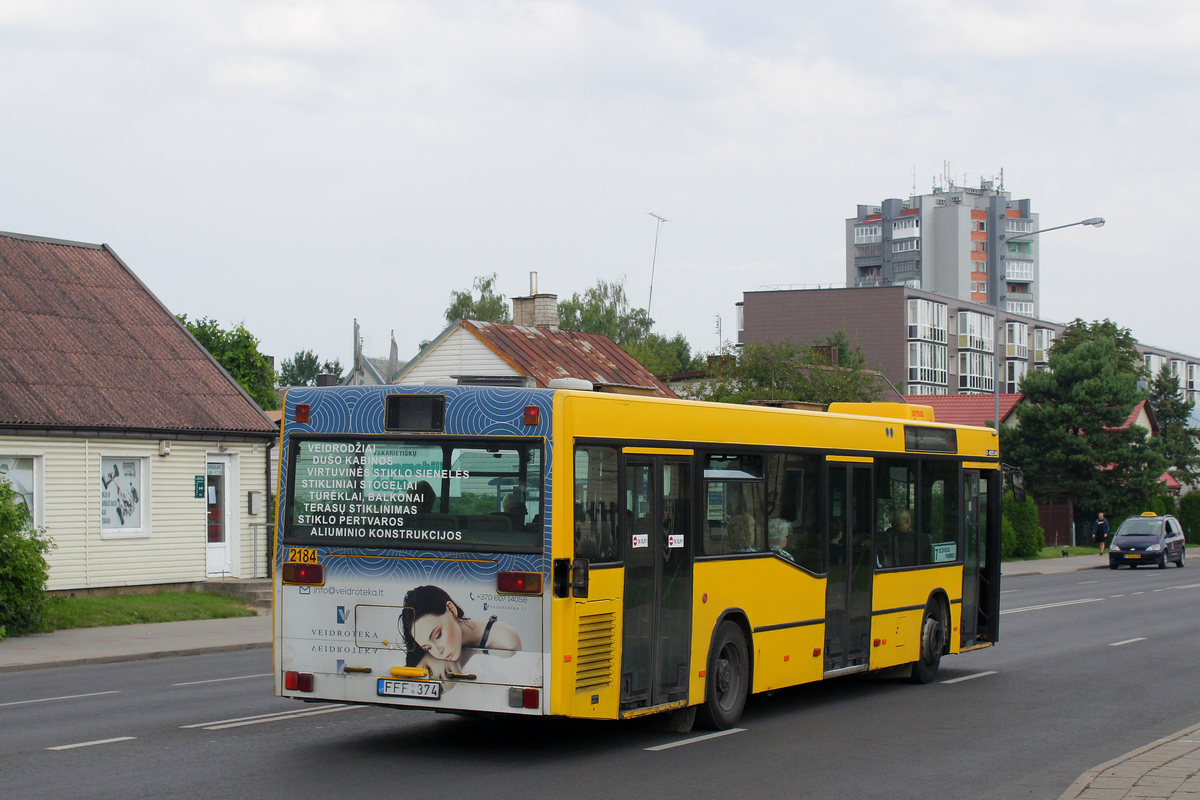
{"points": [[595, 520], [896, 545], [734, 522], [792, 503]]}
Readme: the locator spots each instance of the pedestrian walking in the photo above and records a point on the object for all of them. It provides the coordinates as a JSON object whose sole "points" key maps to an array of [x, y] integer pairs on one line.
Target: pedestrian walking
{"points": [[1100, 531]]}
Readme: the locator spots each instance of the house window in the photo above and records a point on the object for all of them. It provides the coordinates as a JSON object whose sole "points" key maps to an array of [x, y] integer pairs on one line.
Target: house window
{"points": [[1016, 339], [1018, 270], [976, 372], [976, 331], [905, 228], [906, 246], [124, 504], [927, 363], [926, 320], [1154, 364], [22, 474], [1019, 226], [1042, 339], [1014, 371], [1020, 307], [865, 234]]}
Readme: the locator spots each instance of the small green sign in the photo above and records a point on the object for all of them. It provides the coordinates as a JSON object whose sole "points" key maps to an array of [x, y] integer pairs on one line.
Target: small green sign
{"points": [[199, 487]]}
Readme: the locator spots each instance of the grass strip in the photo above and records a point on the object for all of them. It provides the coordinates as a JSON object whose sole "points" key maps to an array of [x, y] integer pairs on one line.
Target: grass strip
{"points": [[97, 612]]}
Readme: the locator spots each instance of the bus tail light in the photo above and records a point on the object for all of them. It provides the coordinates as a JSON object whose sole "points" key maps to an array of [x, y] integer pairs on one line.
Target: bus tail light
{"points": [[532, 415], [302, 413], [523, 698], [298, 681], [306, 574], [519, 582]]}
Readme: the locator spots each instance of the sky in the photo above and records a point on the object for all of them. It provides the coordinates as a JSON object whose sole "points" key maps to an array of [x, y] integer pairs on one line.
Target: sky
{"points": [[294, 166]]}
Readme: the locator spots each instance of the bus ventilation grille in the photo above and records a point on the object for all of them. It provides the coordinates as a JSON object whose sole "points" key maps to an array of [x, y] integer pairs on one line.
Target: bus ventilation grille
{"points": [[594, 663]]}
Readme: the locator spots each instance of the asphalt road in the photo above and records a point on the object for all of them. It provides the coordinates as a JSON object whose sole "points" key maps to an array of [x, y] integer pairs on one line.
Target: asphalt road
{"points": [[1091, 665]]}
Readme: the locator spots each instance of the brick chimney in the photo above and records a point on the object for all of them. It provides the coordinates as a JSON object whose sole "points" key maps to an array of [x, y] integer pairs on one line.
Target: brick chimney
{"points": [[538, 310]]}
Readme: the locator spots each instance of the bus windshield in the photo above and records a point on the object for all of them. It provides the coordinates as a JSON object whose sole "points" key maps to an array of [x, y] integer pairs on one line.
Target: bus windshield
{"points": [[444, 494]]}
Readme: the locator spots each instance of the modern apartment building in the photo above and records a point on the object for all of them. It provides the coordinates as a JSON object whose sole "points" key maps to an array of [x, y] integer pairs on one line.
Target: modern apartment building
{"points": [[959, 242], [925, 342]]}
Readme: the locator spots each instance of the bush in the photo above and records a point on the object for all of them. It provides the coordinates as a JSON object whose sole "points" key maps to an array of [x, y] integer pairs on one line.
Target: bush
{"points": [[1028, 538], [1189, 515], [23, 568]]}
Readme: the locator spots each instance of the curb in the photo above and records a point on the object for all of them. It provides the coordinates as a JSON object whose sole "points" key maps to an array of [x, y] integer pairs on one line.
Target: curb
{"points": [[1085, 780], [79, 662]]}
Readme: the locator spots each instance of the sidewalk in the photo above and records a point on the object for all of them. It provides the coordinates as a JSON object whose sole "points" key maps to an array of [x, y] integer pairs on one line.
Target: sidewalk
{"points": [[1054, 566], [1168, 769], [134, 642]]}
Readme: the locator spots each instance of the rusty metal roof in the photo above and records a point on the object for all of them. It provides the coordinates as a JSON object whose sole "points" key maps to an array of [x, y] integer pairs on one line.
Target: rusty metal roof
{"points": [[84, 344], [545, 353]]}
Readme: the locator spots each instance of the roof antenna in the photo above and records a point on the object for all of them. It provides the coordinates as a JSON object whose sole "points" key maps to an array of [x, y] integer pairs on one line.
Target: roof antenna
{"points": [[654, 259]]}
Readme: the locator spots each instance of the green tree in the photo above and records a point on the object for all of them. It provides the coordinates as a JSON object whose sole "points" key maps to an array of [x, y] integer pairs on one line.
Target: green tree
{"points": [[23, 568], [782, 370], [236, 350], [489, 307], [663, 356], [1078, 332], [1027, 536], [1071, 437], [303, 368], [1176, 439], [605, 309]]}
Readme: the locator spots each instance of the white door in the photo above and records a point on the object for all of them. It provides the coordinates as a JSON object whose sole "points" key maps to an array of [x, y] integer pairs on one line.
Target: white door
{"points": [[218, 518]]}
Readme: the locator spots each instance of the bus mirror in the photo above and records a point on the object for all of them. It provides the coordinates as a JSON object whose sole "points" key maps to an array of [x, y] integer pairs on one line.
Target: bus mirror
{"points": [[562, 577], [579, 578], [1017, 478]]}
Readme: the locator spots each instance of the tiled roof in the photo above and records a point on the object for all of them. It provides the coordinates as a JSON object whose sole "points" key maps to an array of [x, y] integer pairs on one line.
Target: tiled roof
{"points": [[545, 353], [967, 409], [84, 344]]}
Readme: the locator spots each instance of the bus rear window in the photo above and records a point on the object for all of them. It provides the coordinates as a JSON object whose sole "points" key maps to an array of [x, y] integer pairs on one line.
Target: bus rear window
{"points": [[421, 495]]}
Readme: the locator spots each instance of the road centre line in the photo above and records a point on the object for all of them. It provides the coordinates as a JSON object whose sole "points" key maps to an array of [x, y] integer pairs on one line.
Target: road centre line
{"points": [[64, 697], [89, 744], [219, 680], [313, 713], [1116, 595], [1127, 641], [1186, 586], [1052, 605], [695, 739], [971, 677]]}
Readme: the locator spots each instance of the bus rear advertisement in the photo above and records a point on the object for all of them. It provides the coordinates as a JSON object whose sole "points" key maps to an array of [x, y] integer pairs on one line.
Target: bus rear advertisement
{"points": [[563, 552]]}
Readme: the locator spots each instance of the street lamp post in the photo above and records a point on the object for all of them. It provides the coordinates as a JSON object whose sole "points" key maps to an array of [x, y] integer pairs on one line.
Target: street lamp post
{"points": [[1002, 239]]}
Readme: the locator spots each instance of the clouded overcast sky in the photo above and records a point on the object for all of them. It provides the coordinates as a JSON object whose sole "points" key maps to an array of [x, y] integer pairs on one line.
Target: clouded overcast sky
{"points": [[295, 165]]}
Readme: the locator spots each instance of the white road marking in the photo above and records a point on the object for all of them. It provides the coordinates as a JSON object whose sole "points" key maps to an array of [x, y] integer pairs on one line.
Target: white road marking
{"points": [[1139, 592], [695, 739], [278, 716], [219, 680], [64, 697], [1085, 583], [1052, 605], [1127, 641], [1188, 586], [1009, 591], [1116, 595], [89, 744], [971, 677]]}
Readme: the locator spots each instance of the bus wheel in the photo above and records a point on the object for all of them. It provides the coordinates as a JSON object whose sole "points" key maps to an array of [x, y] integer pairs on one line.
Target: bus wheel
{"points": [[728, 678], [933, 640]]}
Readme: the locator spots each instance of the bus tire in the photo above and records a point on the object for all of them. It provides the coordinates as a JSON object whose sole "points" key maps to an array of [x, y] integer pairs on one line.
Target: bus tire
{"points": [[933, 642], [727, 681]]}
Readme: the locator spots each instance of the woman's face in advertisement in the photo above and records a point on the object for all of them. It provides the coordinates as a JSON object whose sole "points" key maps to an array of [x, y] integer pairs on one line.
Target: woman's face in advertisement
{"points": [[440, 635]]}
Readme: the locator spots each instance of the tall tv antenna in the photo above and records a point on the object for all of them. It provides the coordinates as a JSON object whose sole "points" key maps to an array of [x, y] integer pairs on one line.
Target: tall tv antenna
{"points": [[654, 259]]}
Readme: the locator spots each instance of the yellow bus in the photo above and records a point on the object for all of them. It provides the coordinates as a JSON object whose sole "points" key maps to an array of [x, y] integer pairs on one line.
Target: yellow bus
{"points": [[606, 556]]}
